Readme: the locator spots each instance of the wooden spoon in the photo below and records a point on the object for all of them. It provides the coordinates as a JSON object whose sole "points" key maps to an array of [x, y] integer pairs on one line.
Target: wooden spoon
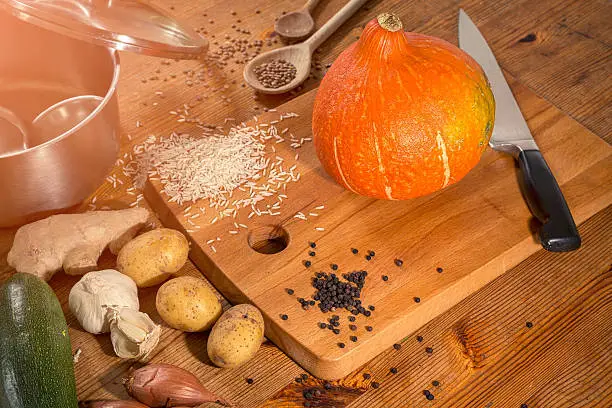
{"points": [[296, 25], [300, 55]]}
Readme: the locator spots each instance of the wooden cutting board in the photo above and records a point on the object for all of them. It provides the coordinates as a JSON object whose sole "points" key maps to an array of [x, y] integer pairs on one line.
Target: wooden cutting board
{"points": [[474, 230]]}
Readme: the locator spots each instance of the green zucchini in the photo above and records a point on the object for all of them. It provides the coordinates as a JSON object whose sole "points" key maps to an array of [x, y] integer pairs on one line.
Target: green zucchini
{"points": [[36, 368]]}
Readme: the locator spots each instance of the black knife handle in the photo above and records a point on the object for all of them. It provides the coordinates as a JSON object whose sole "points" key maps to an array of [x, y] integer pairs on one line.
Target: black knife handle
{"points": [[546, 202]]}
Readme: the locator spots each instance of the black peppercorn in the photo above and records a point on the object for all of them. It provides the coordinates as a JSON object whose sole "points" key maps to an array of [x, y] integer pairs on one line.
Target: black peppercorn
{"points": [[369, 328], [307, 264], [435, 383], [353, 338], [375, 385], [393, 370], [322, 325], [352, 327], [371, 253], [290, 291], [313, 245], [304, 376], [430, 396], [334, 267], [397, 346], [368, 257], [419, 338], [354, 250], [398, 262], [428, 350], [351, 318], [249, 381], [417, 299], [284, 317], [372, 308], [336, 331], [341, 345], [311, 253], [327, 386], [366, 376], [298, 379], [529, 325], [439, 270], [524, 406], [385, 278]]}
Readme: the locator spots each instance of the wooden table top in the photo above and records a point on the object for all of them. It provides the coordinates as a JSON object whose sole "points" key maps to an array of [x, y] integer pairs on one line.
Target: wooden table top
{"points": [[484, 353]]}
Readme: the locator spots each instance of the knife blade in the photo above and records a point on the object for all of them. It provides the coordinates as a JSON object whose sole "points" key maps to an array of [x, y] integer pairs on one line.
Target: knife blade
{"points": [[511, 134]]}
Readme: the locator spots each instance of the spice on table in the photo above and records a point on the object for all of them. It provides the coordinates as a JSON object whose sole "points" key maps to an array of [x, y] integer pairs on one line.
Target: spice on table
{"points": [[307, 264], [336, 331], [368, 258], [375, 385], [304, 376], [385, 278], [352, 318], [397, 346], [371, 253], [529, 325], [366, 376], [312, 253], [327, 386], [435, 383], [369, 328], [276, 73], [398, 262], [313, 245], [352, 327], [393, 370], [371, 307], [284, 317], [353, 339], [341, 345], [417, 299], [354, 250], [524, 406], [439, 270], [428, 350], [290, 291], [419, 338], [334, 267], [322, 325], [249, 381]]}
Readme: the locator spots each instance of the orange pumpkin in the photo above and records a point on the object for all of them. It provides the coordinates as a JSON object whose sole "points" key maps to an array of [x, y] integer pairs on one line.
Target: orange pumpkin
{"points": [[400, 115]]}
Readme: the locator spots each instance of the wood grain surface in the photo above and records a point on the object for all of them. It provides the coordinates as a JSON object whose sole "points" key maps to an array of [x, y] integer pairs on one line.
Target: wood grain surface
{"points": [[426, 233], [483, 353]]}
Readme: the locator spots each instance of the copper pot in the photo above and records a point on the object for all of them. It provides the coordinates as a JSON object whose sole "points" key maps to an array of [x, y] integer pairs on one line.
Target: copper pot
{"points": [[59, 121]]}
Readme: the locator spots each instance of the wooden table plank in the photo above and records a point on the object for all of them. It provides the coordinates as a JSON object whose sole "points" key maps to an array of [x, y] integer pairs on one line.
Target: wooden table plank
{"points": [[568, 65]]}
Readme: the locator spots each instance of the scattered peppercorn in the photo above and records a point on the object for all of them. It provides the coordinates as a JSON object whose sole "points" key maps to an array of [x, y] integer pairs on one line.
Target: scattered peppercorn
{"points": [[307, 404], [393, 370], [336, 331], [284, 317], [529, 325], [322, 325], [428, 350], [397, 346], [353, 339], [524, 406], [317, 393], [341, 345], [366, 376], [385, 278], [298, 379], [417, 299], [368, 257], [430, 396], [369, 328], [372, 308], [426, 392], [352, 318], [313, 245], [311, 253], [352, 327], [531, 37], [371, 253], [398, 262], [439, 270], [334, 267], [375, 385], [419, 338], [290, 291], [327, 386], [435, 383], [307, 264], [354, 250], [304, 376], [249, 381]]}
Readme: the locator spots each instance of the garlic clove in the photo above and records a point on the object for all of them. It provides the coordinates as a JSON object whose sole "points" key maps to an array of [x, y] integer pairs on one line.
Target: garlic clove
{"points": [[133, 333]]}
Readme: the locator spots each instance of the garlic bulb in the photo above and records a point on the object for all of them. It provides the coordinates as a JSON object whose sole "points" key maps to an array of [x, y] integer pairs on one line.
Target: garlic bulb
{"points": [[133, 333], [92, 296]]}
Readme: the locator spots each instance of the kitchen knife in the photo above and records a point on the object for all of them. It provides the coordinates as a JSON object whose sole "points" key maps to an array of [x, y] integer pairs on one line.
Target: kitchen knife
{"points": [[511, 135]]}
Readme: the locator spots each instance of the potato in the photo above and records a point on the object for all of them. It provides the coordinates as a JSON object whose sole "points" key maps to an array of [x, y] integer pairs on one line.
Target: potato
{"points": [[236, 336], [150, 258], [187, 303]]}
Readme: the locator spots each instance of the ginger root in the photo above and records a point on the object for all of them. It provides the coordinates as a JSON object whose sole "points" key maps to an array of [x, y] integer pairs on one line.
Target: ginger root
{"points": [[73, 241]]}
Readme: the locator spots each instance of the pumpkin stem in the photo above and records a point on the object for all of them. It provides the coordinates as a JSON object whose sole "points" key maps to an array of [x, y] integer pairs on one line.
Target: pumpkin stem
{"points": [[389, 22]]}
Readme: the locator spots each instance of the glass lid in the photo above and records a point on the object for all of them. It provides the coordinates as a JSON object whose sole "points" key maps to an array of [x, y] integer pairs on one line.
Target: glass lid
{"points": [[129, 25]]}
